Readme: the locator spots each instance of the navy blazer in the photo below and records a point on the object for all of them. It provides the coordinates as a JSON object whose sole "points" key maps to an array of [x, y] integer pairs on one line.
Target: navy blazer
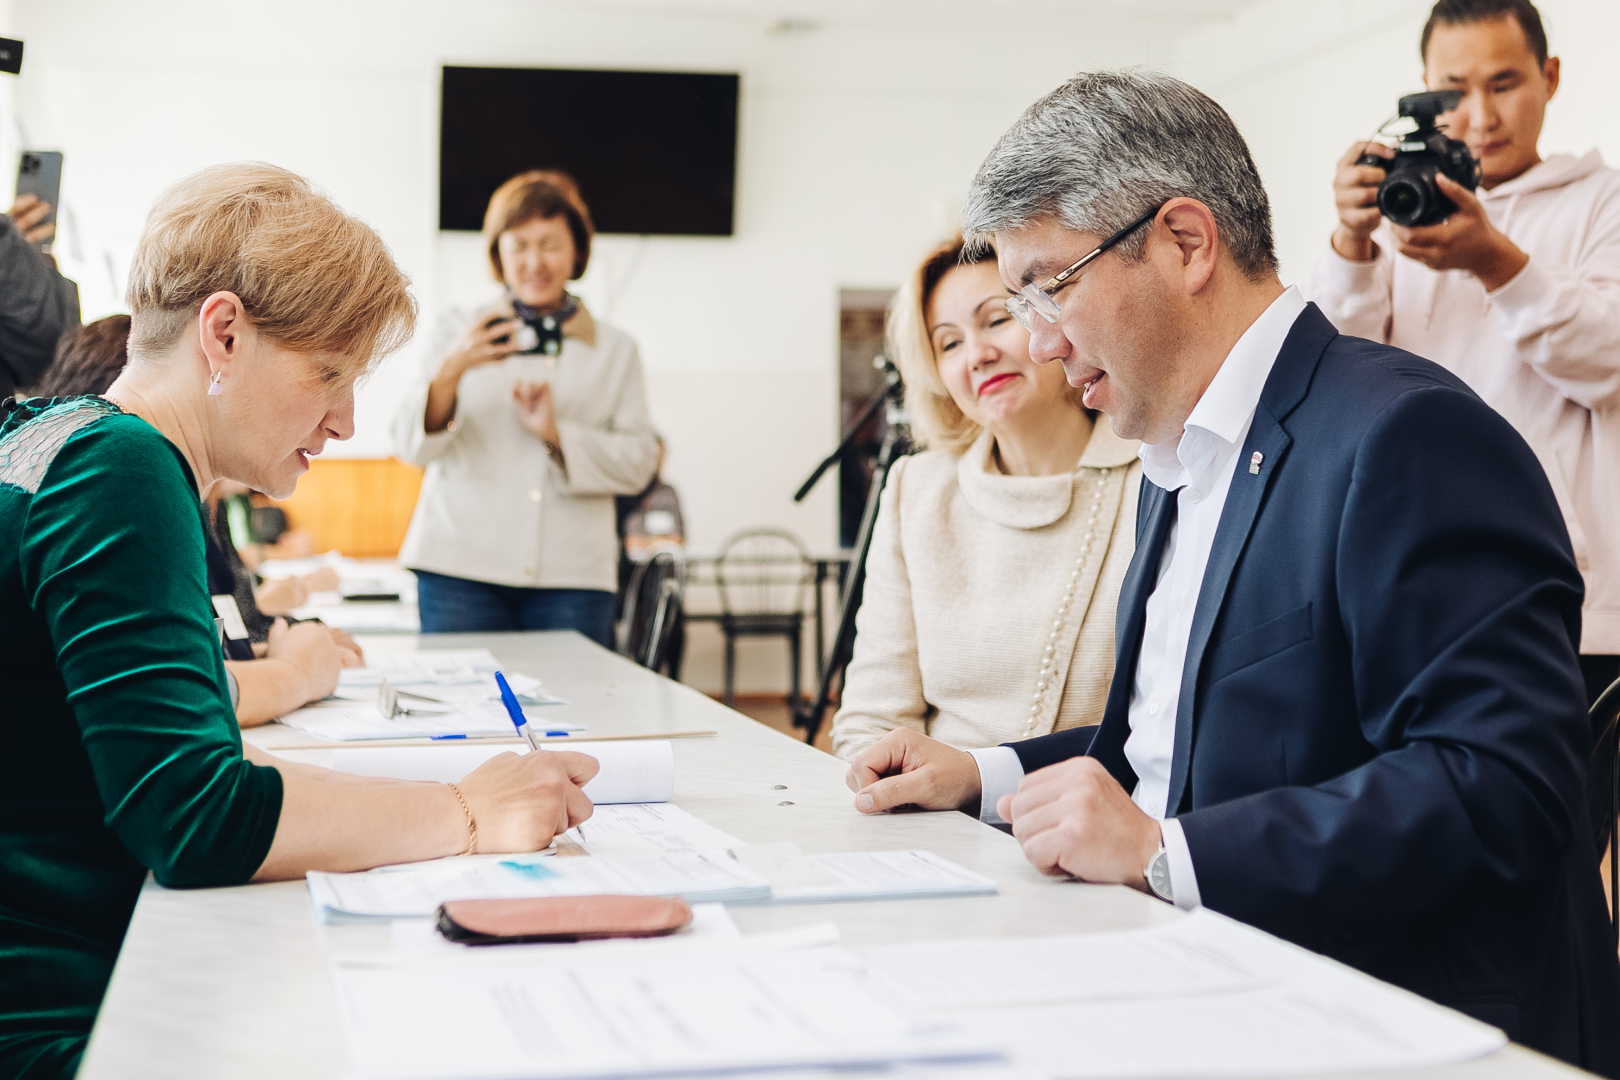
{"points": [[1381, 742]]}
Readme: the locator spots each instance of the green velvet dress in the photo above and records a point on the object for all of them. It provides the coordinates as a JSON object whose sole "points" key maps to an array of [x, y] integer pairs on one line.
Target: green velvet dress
{"points": [[119, 752]]}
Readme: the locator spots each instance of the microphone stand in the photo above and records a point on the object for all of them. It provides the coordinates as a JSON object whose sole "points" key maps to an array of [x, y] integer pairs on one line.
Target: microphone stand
{"points": [[896, 444]]}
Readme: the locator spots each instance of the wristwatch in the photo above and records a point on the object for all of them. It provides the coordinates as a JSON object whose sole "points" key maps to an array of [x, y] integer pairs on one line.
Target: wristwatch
{"points": [[1158, 876]]}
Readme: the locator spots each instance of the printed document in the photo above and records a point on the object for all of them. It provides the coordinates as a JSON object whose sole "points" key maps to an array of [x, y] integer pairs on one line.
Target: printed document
{"points": [[1198, 997], [643, 830], [446, 692], [404, 892], [628, 1018]]}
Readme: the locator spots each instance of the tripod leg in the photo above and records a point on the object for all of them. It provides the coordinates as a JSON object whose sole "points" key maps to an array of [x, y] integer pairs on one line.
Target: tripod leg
{"points": [[731, 672], [850, 601]]}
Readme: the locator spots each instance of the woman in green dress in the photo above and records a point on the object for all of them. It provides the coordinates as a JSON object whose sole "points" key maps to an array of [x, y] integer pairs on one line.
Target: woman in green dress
{"points": [[257, 303]]}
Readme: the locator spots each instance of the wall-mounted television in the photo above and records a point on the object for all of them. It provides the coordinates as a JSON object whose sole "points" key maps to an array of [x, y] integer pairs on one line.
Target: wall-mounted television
{"points": [[654, 152]]}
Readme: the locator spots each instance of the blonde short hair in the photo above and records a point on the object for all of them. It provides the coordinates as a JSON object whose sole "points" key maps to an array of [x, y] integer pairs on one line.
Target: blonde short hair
{"points": [[311, 278], [937, 422]]}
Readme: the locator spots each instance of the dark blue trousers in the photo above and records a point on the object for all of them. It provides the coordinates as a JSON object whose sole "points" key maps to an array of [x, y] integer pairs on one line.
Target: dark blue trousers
{"points": [[452, 605]]}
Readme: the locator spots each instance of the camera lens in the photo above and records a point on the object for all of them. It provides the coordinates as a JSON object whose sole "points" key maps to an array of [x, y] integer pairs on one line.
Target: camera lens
{"points": [[1401, 200]]}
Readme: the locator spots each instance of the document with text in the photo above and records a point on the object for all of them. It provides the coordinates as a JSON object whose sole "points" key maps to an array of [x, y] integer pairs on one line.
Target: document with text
{"points": [[627, 1019], [404, 892], [1197, 997]]}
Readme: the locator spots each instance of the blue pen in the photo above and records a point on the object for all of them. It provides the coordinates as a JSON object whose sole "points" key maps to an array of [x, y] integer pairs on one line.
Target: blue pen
{"points": [[515, 711]]}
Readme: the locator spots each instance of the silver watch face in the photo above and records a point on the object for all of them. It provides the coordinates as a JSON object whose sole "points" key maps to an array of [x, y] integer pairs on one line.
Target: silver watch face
{"points": [[1158, 877]]}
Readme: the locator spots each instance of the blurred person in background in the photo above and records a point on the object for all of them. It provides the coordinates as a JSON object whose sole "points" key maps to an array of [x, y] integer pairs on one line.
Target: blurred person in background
{"points": [[650, 522], [1517, 292], [651, 518], [277, 668], [37, 304], [530, 418], [998, 554], [88, 358]]}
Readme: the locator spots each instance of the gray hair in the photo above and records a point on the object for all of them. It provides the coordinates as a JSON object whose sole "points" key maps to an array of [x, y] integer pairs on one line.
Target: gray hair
{"points": [[1108, 146]]}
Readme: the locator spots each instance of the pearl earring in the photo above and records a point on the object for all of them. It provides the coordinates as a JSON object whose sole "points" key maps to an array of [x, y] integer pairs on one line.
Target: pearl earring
{"points": [[214, 389]]}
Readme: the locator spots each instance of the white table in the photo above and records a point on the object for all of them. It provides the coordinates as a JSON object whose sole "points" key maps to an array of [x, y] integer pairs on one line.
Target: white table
{"points": [[226, 983]]}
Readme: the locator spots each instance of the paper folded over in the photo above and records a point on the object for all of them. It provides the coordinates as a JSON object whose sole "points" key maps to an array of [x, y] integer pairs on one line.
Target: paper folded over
{"points": [[631, 772]]}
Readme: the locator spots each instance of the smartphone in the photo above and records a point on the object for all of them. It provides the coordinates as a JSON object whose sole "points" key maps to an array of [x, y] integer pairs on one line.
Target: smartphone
{"points": [[39, 172]]}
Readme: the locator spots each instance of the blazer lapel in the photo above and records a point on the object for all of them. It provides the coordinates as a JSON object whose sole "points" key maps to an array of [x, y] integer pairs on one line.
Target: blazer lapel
{"points": [[1285, 388], [1155, 514]]}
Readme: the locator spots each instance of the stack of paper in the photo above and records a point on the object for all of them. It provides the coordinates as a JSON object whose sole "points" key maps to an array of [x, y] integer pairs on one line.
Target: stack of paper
{"points": [[447, 692], [647, 830], [646, 850], [1201, 997], [628, 1018], [365, 723], [418, 889], [449, 675], [866, 875]]}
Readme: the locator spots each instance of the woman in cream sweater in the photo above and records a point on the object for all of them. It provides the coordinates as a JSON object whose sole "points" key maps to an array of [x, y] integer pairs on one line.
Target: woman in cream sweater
{"points": [[998, 554]]}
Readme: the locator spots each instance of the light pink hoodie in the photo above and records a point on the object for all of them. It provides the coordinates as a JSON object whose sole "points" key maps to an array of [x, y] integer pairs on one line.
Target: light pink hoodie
{"points": [[1543, 350]]}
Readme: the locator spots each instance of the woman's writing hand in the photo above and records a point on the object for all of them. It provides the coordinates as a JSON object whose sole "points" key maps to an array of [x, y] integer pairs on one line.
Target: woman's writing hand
{"points": [[535, 410], [349, 650], [307, 647], [520, 803]]}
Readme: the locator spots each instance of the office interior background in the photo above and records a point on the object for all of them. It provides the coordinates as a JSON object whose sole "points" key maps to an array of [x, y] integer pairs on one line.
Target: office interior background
{"points": [[861, 122]]}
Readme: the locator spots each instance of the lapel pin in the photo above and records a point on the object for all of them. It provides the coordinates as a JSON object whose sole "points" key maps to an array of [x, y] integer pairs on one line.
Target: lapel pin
{"points": [[1254, 463]]}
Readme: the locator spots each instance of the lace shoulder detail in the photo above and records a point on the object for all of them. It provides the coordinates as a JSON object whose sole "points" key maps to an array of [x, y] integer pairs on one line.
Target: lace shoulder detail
{"points": [[27, 450]]}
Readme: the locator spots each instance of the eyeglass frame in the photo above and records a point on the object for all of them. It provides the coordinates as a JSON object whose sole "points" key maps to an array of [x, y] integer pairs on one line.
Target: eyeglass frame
{"points": [[1031, 296]]}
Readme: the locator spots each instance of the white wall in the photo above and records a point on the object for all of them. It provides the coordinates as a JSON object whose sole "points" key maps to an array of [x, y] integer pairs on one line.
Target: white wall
{"points": [[857, 139], [1306, 78]]}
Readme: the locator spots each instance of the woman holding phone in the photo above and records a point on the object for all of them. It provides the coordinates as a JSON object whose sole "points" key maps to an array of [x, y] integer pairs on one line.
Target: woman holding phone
{"points": [[530, 418]]}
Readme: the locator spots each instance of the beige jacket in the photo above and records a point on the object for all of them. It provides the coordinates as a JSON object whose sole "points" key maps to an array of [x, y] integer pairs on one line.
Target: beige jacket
{"points": [[964, 582], [494, 506]]}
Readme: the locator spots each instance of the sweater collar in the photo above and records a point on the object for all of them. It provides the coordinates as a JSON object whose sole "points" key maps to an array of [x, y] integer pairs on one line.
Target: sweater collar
{"points": [[1033, 502], [580, 325]]}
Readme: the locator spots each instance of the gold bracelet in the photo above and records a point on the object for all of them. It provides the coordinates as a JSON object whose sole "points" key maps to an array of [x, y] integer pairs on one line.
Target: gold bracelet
{"points": [[472, 826]]}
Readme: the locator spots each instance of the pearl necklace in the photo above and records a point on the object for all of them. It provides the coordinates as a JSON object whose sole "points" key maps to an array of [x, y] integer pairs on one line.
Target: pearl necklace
{"points": [[1063, 606]]}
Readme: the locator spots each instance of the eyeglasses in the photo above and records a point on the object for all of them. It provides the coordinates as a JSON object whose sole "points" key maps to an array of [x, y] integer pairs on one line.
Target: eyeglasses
{"points": [[1038, 298]]}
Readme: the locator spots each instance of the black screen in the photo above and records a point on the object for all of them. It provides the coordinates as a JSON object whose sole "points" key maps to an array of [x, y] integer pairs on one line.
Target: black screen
{"points": [[653, 152]]}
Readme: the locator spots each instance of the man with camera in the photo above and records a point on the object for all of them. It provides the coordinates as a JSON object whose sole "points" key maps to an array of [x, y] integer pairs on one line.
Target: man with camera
{"points": [[1514, 287]]}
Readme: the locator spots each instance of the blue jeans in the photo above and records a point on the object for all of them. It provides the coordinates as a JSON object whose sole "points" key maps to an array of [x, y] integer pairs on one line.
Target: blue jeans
{"points": [[452, 605]]}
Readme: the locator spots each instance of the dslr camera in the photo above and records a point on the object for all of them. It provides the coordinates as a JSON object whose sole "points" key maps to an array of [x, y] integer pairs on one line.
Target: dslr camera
{"points": [[1409, 195], [535, 333]]}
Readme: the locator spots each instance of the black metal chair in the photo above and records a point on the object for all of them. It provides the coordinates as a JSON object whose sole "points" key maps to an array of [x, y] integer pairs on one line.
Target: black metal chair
{"points": [[650, 629], [1603, 790], [763, 576]]}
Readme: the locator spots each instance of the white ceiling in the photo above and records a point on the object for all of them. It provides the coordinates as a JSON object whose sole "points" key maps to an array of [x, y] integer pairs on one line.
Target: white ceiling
{"points": [[1188, 14]]}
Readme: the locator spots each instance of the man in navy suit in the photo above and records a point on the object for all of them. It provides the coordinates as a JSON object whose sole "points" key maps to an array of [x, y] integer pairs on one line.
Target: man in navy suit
{"points": [[1346, 705]]}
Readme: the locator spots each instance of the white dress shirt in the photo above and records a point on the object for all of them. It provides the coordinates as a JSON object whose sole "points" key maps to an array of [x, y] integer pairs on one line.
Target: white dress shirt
{"points": [[1198, 467]]}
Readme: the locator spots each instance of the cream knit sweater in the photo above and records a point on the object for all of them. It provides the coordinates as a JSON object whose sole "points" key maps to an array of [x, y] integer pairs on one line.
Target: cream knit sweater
{"points": [[967, 571]]}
